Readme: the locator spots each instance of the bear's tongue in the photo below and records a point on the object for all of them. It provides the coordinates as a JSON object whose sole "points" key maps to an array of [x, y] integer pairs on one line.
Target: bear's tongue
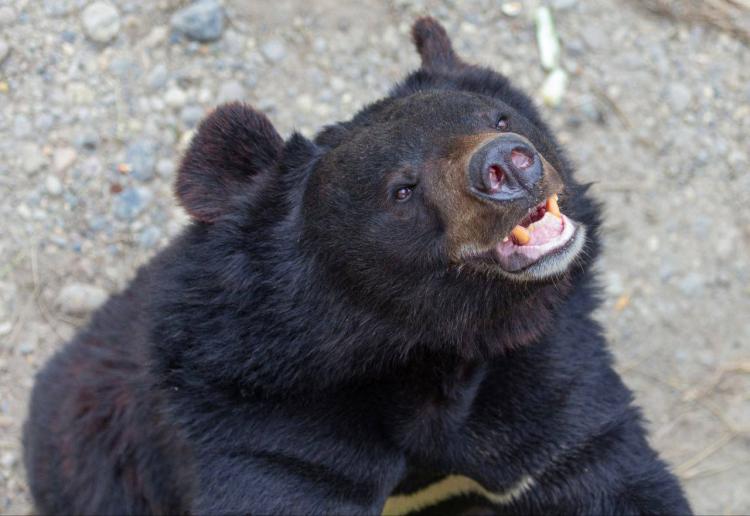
{"points": [[540, 226]]}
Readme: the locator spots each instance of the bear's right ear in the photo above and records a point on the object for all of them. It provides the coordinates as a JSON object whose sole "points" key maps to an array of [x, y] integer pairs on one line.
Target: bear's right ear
{"points": [[234, 145]]}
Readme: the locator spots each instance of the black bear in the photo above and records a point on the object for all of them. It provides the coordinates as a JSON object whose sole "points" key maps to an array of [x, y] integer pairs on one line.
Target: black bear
{"points": [[393, 317]]}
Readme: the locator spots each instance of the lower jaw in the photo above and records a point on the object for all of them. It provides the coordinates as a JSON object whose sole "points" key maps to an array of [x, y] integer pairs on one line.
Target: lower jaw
{"points": [[553, 264]]}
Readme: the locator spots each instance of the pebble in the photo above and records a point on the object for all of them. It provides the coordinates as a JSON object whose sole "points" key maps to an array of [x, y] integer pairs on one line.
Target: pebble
{"points": [[175, 97], [229, 91], [87, 141], [101, 21], [691, 284], [201, 21], [63, 158], [53, 185], [21, 126], [131, 202], [679, 96], [157, 78], [7, 16], [4, 50], [274, 50], [27, 347], [7, 459], [30, 157], [165, 168], [141, 156], [191, 115], [595, 37], [561, 5], [511, 8], [80, 298], [149, 237]]}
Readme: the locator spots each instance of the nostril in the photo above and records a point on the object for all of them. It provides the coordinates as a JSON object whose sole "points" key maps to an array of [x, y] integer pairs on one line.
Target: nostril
{"points": [[495, 178], [521, 158]]}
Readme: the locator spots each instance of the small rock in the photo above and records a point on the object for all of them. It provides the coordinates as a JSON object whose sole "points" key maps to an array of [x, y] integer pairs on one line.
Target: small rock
{"points": [[561, 5], [614, 283], [175, 97], [68, 36], [87, 141], [149, 237], [63, 158], [7, 16], [80, 298], [27, 347], [44, 122], [8, 459], [4, 50], [595, 37], [165, 168], [590, 108], [101, 21], [679, 96], [191, 115], [157, 36], [31, 158], [158, 77], [131, 202], [201, 21], [21, 126], [229, 91], [274, 50], [691, 284], [141, 156], [511, 9], [53, 185]]}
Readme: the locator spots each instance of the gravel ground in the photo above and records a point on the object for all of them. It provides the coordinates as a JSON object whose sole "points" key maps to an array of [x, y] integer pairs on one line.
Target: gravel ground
{"points": [[97, 101]]}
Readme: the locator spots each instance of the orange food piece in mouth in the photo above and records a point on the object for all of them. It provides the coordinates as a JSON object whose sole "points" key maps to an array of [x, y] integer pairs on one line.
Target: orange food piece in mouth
{"points": [[520, 235], [552, 207]]}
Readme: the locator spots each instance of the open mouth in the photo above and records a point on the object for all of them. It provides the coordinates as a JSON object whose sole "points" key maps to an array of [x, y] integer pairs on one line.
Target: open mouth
{"points": [[543, 244]]}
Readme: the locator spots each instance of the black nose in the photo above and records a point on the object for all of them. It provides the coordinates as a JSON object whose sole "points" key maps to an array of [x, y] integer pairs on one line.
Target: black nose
{"points": [[506, 168]]}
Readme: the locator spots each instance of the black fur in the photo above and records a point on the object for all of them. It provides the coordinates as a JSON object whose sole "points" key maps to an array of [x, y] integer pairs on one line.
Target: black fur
{"points": [[305, 348]]}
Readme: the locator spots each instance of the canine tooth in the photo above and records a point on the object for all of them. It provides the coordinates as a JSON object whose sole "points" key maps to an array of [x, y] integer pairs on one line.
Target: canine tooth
{"points": [[520, 235], [552, 206], [505, 239]]}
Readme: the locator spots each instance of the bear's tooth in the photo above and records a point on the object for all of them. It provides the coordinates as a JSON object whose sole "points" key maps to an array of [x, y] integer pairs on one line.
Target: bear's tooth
{"points": [[520, 235], [552, 206]]}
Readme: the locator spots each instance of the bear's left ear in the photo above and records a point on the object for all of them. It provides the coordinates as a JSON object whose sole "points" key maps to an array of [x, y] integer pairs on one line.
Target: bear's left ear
{"points": [[232, 149], [434, 46]]}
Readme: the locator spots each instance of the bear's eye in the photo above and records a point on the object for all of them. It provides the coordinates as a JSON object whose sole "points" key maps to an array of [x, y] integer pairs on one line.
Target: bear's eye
{"points": [[403, 193], [502, 123]]}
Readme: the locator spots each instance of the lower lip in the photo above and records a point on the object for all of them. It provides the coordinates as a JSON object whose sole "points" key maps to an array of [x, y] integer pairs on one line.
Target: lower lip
{"points": [[532, 254]]}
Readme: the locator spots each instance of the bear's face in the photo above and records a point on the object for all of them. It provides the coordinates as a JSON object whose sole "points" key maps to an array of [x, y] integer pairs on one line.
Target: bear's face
{"points": [[430, 220], [440, 179]]}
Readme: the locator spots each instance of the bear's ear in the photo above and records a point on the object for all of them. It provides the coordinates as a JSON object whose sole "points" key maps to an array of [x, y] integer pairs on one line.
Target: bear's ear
{"points": [[434, 46], [234, 146]]}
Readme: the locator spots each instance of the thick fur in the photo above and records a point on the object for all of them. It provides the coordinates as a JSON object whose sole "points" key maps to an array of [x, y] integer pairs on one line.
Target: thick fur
{"points": [[303, 348]]}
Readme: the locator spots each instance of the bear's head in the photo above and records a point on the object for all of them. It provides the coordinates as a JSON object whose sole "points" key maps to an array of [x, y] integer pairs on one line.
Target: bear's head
{"points": [[442, 218]]}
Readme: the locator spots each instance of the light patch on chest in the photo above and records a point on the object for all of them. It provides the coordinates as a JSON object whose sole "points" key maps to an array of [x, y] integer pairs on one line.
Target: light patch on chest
{"points": [[450, 487]]}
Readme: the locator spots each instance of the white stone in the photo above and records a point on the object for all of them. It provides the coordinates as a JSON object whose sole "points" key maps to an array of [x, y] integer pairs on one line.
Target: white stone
{"points": [[101, 21], [175, 97], [63, 158], [53, 185], [80, 298]]}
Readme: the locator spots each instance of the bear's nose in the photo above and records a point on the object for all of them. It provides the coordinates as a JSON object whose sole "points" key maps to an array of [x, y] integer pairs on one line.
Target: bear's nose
{"points": [[505, 169]]}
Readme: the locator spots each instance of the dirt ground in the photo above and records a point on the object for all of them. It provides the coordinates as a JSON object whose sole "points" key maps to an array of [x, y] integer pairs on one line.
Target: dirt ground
{"points": [[656, 114]]}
